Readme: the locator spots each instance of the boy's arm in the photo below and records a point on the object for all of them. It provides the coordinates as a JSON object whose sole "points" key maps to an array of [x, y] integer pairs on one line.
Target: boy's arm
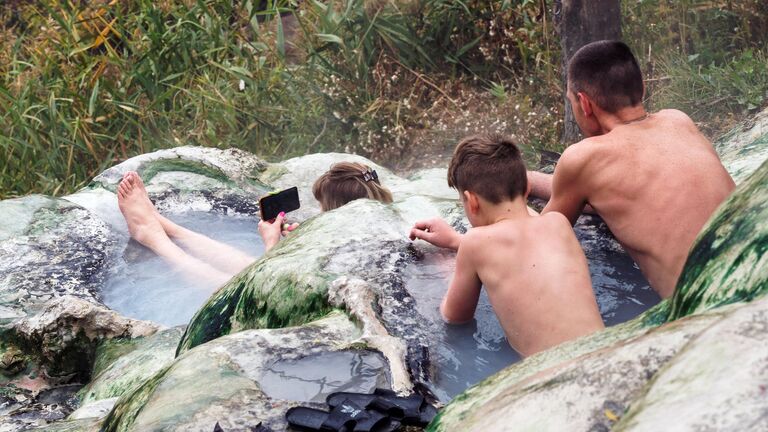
{"points": [[460, 300], [437, 232]]}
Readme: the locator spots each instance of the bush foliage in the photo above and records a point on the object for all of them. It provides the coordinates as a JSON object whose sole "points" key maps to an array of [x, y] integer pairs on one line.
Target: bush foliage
{"points": [[86, 84]]}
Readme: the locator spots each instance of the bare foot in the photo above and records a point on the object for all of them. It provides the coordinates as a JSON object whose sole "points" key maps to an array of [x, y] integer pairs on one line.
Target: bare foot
{"points": [[170, 227], [139, 213]]}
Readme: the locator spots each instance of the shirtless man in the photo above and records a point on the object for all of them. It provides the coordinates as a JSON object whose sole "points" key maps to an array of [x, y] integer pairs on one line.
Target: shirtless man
{"points": [[654, 178], [532, 266]]}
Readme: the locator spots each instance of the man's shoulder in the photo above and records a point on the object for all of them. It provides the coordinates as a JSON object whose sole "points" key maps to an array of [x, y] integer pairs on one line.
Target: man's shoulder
{"points": [[577, 156], [677, 119], [673, 114]]}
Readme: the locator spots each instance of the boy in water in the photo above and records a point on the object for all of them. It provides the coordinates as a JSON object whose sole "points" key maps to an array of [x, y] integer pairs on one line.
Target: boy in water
{"points": [[532, 266]]}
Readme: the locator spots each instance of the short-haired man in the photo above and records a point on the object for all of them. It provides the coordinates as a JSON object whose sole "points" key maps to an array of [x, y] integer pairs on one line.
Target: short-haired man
{"points": [[654, 178], [532, 266]]}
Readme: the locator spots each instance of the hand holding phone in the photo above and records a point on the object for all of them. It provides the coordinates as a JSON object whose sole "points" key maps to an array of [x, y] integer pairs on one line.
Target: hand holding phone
{"points": [[284, 201]]}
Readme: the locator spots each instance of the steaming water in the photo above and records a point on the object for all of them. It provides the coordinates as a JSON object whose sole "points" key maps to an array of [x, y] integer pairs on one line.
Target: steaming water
{"points": [[144, 286], [462, 354], [313, 378], [466, 354]]}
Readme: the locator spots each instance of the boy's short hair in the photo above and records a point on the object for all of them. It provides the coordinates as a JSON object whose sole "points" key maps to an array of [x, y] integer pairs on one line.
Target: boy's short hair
{"points": [[348, 181], [608, 73], [490, 166]]}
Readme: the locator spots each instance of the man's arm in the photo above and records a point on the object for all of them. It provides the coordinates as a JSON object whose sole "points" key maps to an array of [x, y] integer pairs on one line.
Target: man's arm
{"points": [[460, 300], [541, 184], [568, 196]]}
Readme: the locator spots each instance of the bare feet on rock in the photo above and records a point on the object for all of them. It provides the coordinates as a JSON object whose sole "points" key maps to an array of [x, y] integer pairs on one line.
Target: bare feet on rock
{"points": [[139, 212]]}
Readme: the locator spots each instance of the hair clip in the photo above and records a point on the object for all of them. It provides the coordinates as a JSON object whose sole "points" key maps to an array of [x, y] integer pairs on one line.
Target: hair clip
{"points": [[370, 175]]}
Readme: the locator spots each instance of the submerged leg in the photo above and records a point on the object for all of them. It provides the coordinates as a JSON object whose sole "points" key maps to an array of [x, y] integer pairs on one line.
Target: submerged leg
{"points": [[144, 227], [219, 255]]}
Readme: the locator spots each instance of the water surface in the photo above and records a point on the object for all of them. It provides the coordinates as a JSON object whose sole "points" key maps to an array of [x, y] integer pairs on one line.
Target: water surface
{"points": [[143, 286], [463, 355], [313, 378]]}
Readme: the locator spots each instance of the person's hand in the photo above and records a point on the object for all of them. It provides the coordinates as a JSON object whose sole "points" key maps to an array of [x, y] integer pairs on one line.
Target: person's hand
{"points": [[437, 232], [287, 228], [270, 231]]}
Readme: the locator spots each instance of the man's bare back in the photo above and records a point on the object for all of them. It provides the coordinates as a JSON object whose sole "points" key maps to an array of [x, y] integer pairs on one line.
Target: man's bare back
{"points": [[655, 182], [537, 280]]}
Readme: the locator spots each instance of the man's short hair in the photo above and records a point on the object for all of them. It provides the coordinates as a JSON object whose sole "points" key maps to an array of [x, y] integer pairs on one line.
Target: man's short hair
{"points": [[608, 73], [490, 166]]}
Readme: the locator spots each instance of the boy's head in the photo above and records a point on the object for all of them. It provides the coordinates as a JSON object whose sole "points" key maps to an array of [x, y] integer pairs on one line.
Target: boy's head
{"points": [[608, 74], [348, 181], [489, 166]]}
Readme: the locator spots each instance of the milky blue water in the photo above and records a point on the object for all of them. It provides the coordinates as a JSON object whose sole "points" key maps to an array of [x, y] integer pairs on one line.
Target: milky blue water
{"points": [[464, 355], [143, 286]]}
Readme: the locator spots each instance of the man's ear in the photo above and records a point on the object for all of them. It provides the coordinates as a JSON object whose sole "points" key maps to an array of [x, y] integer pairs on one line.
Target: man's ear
{"points": [[473, 204], [586, 104], [527, 191]]}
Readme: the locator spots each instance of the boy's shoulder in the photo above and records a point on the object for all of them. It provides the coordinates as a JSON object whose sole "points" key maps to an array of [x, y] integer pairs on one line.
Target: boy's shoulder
{"points": [[510, 229], [504, 229], [482, 235]]}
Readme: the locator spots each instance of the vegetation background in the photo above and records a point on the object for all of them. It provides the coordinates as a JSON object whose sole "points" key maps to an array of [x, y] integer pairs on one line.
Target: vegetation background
{"points": [[85, 84]]}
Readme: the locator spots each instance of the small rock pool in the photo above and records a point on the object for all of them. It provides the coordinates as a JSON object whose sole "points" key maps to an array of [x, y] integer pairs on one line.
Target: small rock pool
{"points": [[143, 286], [463, 355]]}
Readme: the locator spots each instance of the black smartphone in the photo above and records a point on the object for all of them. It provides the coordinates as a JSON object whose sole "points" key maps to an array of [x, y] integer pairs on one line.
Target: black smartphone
{"points": [[284, 201]]}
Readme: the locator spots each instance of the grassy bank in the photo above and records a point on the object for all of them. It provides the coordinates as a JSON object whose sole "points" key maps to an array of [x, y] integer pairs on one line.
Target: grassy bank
{"points": [[84, 85]]}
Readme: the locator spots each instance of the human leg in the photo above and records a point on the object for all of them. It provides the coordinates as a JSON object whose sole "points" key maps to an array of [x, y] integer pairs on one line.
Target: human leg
{"points": [[219, 255], [144, 227]]}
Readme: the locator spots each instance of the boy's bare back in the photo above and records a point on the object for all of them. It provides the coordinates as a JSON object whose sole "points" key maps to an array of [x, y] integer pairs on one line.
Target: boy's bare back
{"points": [[537, 279]]}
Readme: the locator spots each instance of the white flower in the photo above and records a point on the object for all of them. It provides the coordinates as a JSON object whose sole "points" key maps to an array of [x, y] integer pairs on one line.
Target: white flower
{"points": [[241, 85]]}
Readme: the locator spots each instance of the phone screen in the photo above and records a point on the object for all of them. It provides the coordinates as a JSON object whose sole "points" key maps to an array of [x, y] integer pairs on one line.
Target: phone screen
{"points": [[284, 201]]}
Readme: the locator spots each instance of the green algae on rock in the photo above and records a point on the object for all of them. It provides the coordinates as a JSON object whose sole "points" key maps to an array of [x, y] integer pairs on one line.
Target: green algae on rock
{"points": [[230, 167], [745, 148], [74, 245], [574, 393], [218, 381], [717, 382], [79, 425], [727, 269], [128, 370], [289, 284], [727, 263]]}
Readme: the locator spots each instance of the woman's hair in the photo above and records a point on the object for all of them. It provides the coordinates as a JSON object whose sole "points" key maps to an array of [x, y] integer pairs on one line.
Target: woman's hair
{"points": [[348, 181]]}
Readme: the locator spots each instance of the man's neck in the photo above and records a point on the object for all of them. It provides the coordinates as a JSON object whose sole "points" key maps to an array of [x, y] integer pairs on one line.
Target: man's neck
{"points": [[506, 210], [623, 117]]}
